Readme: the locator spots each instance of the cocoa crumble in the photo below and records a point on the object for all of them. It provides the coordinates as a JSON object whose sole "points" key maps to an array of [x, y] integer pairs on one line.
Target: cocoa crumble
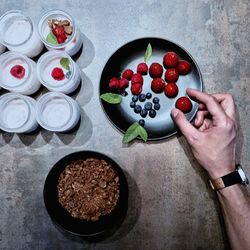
{"points": [[88, 189]]}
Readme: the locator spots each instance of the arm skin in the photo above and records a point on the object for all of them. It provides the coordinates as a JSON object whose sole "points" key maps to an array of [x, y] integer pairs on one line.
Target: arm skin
{"points": [[212, 141]]}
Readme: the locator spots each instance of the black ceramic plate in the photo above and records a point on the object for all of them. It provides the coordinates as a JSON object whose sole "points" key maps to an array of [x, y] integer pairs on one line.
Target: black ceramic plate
{"points": [[129, 56], [78, 227]]}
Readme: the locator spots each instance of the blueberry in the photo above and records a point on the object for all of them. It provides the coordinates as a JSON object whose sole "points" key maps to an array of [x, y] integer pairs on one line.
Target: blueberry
{"points": [[132, 104], [137, 109], [148, 95], [144, 113], [142, 97], [124, 93], [156, 100], [135, 98], [152, 113], [157, 106], [148, 105], [141, 122], [68, 74]]}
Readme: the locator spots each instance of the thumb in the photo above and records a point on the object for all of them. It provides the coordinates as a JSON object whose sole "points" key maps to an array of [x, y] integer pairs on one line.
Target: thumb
{"points": [[187, 129]]}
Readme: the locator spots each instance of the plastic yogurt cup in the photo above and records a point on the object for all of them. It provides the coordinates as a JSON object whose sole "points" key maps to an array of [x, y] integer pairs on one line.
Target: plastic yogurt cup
{"points": [[57, 112], [17, 113], [58, 72], [19, 34], [2, 48], [18, 73], [57, 39]]}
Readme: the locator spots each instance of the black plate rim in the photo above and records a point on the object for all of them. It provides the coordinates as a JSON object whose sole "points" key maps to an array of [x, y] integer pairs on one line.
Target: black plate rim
{"points": [[70, 155], [144, 38]]}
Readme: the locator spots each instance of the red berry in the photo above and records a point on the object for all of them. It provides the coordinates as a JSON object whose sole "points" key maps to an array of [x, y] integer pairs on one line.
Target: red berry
{"points": [[184, 104], [171, 75], [155, 70], [123, 83], [183, 67], [170, 60], [128, 73], [18, 71], [137, 78], [171, 89], [114, 83], [57, 74], [136, 88], [157, 85], [60, 34], [142, 68]]}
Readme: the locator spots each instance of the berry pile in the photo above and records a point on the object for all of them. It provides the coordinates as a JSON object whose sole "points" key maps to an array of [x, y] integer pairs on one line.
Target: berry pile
{"points": [[149, 108], [161, 82]]}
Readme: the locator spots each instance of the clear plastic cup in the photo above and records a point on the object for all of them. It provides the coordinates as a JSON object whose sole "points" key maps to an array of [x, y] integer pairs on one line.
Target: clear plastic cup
{"points": [[19, 34], [72, 44], [2, 48], [18, 73], [70, 76], [17, 113], [57, 112]]}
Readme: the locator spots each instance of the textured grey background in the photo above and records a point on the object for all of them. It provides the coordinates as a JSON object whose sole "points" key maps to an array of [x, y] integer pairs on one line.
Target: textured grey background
{"points": [[171, 204]]}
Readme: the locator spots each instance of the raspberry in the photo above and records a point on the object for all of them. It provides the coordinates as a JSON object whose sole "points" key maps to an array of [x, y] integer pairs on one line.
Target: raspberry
{"points": [[128, 73], [60, 34], [114, 83], [142, 68], [136, 88], [57, 74], [170, 60], [155, 70], [183, 67], [171, 89], [18, 71], [123, 83], [184, 104], [157, 85], [137, 78], [171, 75]]}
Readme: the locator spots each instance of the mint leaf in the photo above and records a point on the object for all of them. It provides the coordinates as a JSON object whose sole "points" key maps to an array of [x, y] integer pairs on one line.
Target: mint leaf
{"points": [[64, 61], [143, 133], [131, 133], [148, 53], [51, 38], [111, 98]]}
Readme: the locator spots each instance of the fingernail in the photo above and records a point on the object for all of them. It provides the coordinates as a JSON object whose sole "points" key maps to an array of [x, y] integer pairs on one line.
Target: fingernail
{"points": [[196, 120], [174, 112]]}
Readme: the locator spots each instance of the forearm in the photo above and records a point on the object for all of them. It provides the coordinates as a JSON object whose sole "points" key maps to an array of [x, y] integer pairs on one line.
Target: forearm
{"points": [[235, 203]]}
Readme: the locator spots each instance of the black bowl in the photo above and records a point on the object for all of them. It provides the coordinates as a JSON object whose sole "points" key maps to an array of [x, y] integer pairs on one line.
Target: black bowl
{"points": [[89, 230]]}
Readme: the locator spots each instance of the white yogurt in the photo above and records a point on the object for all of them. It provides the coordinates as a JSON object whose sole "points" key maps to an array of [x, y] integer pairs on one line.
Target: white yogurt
{"points": [[26, 85], [51, 60], [2, 48], [17, 113], [57, 112], [19, 34], [72, 45]]}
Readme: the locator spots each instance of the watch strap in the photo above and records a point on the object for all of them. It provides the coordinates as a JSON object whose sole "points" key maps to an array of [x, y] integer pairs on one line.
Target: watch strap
{"points": [[226, 180]]}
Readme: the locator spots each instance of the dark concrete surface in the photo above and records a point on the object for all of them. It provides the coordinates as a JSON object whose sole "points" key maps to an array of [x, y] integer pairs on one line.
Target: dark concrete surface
{"points": [[171, 204]]}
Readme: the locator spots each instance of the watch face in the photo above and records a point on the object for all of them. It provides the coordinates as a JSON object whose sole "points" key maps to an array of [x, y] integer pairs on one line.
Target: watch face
{"points": [[242, 174]]}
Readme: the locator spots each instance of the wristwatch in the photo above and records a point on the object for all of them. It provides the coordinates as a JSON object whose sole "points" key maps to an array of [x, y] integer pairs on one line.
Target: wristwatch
{"points": [[236, 177]]}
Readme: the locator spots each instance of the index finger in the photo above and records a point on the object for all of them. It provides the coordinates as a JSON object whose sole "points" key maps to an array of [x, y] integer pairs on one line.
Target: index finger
{"points": [[211, 103]]}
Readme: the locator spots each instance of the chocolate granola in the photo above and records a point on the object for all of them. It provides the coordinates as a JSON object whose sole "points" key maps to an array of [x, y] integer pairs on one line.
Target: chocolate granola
{"points": [[88, 189]]}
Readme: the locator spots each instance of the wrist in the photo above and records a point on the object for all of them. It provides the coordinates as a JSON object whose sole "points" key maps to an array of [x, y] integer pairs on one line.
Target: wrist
{"points": [[218, 172]]}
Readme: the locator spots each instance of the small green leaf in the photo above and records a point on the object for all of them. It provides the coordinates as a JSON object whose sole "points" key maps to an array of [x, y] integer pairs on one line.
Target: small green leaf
{"points": [[148, 53], [51, 38], [64, 61], [143, 133], [111, 98], [131, 133]]}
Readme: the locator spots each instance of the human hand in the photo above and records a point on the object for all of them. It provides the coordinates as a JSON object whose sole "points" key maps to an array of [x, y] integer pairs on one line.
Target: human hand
{"points": [[212, 140]]}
